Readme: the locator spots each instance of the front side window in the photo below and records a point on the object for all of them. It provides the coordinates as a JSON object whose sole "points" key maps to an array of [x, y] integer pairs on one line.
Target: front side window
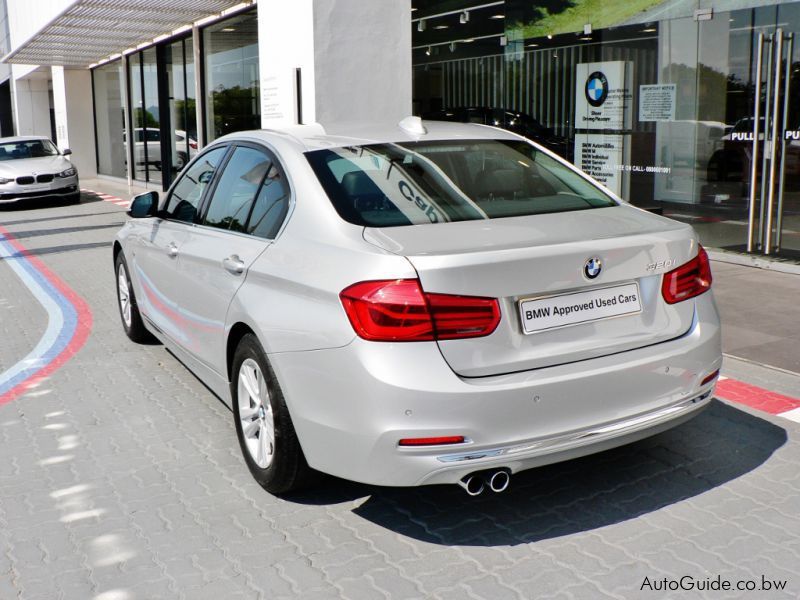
{"points": [[236, 191], [415, 183], [185, 198]]}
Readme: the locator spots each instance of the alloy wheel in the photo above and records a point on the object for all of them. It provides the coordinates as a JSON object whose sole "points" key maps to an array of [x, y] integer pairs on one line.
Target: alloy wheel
{"points": [[255, 413], [124, 296]]}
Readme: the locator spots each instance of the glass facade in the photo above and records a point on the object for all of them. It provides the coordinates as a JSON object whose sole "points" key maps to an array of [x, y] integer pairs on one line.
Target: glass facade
{"points": [[161, 82], [657, 99], [231, 70], [146, 116], [180, 78], [108, 85]]}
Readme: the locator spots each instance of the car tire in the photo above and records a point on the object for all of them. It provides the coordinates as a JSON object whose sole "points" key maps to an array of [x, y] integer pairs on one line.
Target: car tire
{"points": [[267, 437], [126, 303]]}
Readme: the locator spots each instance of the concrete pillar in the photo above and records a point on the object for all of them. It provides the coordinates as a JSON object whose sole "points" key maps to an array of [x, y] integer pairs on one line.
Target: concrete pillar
{"points": [[354, 58], [73, 104]]}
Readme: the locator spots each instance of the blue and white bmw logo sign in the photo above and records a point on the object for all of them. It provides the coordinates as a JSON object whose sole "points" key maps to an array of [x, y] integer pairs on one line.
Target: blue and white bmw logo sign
{"points": [[592, 267], [596, 88]]}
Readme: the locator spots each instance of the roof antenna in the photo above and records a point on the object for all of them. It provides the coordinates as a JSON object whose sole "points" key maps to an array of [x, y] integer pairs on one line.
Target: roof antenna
{"points": [[413, 126]]}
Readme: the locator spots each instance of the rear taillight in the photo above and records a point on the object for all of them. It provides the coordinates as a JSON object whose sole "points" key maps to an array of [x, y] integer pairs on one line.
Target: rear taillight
{"points": [[688, 280], [399, 311], [192, 144]]}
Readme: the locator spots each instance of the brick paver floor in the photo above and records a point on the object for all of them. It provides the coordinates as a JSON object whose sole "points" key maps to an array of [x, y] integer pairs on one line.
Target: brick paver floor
{"points": [[121, 478]]}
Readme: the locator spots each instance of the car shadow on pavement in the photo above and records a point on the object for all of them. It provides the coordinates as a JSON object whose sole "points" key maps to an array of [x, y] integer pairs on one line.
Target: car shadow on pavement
{"points": [[720, 445]]}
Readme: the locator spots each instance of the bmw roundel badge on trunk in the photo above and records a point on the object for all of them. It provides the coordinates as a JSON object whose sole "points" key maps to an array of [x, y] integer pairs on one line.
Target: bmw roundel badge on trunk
{"points": [[592, 267]]}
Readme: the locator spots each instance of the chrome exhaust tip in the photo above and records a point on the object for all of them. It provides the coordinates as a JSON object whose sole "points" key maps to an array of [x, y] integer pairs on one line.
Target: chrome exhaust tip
{"points": [[499, 480], [473, 484]]}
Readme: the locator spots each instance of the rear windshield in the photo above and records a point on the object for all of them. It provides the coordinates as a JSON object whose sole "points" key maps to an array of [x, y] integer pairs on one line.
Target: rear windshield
{"points": [[387, 185]]}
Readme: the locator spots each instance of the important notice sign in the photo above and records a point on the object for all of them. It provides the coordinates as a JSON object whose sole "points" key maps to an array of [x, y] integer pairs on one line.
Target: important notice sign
{"points": [[657, 102]]}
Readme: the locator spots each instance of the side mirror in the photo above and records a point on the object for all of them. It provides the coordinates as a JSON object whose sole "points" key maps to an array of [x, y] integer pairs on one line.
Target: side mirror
{"points": [[66, 152], [144, 205]]}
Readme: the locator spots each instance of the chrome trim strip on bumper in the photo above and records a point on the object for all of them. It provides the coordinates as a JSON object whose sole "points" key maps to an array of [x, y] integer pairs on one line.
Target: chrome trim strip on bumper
{"points": [[568, 440]]}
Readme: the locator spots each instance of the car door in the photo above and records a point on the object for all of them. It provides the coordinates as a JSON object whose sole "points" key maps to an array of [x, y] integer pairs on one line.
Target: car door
{"points": [[154, 257], [220, 249]]}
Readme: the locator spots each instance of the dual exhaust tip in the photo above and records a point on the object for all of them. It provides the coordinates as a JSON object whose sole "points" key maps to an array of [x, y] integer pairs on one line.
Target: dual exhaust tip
{"points": [[496, 480]]}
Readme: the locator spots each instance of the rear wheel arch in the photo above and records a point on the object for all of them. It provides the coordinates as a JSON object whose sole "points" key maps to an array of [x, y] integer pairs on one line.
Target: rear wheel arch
{"points": [[235, 335]]}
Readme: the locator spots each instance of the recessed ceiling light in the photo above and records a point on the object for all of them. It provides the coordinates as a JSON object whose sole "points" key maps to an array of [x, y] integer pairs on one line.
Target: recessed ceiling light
{"points": [[228, 29], [532, 46], [442, 27], [497, 17], [649, 30]]}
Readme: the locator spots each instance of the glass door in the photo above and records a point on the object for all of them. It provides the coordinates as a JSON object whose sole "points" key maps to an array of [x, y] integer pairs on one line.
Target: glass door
{"points": [[749, 99], [783, 223]]}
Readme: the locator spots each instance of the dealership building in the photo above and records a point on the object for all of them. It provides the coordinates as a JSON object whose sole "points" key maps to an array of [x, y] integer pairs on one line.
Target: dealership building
{"points": [[687, 107]]}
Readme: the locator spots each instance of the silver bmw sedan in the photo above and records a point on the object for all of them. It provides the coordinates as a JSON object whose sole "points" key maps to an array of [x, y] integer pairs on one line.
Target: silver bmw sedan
{"points": [[425, 303], [31, 167]]}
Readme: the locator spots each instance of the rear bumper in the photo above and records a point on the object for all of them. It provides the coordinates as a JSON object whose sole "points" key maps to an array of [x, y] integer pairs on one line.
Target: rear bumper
{"points": [[352, 405]]}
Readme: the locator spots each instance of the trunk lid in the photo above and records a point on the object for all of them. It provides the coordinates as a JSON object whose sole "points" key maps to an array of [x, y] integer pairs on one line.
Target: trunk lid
{"points": [[542, 258]]}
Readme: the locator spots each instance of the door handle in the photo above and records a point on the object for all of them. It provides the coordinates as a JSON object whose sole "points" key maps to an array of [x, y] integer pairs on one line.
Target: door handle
{"points": [[172, 250], [233, 264]]}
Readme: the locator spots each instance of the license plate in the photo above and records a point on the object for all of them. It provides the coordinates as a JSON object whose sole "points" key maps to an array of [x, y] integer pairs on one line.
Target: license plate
{"points": [[564, 310], [37, 188]]}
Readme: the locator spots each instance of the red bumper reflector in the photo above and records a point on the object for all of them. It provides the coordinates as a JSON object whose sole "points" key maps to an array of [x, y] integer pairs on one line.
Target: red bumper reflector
{"points": [[433, 441], [710, 378]]}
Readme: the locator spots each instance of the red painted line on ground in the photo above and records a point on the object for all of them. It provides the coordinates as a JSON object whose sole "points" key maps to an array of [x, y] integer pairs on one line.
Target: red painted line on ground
{"points": [[755, 397], [82, 329], [108, 198]]}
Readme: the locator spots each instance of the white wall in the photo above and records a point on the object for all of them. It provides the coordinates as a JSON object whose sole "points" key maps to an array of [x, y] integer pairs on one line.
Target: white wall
{"points": [[31, 97], [285, 43], [72, 101], [362, 54], [354, 56]]}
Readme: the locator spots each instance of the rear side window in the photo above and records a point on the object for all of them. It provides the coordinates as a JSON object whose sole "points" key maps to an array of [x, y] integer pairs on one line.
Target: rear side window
{"points": [[186, 195], [236, 191], [415, 183], [271, 205]]}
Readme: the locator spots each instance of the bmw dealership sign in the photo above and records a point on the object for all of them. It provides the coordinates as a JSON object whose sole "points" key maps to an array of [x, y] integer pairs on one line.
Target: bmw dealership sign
{"points": [[603, 120], [603, 95]]}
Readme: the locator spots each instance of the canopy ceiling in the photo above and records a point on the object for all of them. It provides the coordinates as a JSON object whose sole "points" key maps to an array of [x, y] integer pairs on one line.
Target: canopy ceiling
{"points": [[91, 30]]}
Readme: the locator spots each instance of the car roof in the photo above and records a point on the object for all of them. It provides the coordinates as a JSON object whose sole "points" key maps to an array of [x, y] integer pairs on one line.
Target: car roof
{"points": [[317, 137], [23, 138]]}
